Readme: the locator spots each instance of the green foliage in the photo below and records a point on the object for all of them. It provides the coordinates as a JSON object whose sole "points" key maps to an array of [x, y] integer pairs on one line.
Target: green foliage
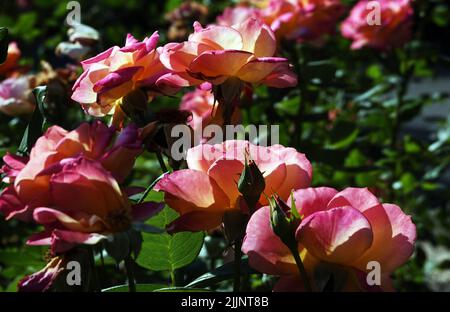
{"points": [[165, 252]]}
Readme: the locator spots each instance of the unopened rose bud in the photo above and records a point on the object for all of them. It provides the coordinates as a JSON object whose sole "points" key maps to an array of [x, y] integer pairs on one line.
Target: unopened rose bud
{"points": [[284, 220], [251, 183]]}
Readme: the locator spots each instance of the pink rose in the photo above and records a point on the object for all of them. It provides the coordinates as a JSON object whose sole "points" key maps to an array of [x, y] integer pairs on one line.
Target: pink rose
{"points": [[204, 192], [70, 185], [349, 228], [114, 73], [30, 188], [216, 53], [394, 30], [82, 204], [304, 20], [15, 96]]}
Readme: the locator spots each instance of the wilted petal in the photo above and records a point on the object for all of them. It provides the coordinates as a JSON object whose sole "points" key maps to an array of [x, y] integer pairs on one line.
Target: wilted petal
{"points": [[42, 280], [144, 211], [80, 222], [11, 205]]}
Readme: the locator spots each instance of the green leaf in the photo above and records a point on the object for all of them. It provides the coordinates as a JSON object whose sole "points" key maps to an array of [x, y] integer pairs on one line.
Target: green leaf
{"points": [[343, 134], [3, 44], [161, 252], [139, 288], [220, 274]]}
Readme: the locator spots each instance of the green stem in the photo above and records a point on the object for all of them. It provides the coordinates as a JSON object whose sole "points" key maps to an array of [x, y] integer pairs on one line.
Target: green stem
{"points": [[301, 268], [161, 161], [237, 265], [130, 274], [172, 278]]}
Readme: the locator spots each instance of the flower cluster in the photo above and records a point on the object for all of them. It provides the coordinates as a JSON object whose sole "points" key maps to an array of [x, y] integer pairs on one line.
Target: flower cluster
{"points": [[72, 183]]}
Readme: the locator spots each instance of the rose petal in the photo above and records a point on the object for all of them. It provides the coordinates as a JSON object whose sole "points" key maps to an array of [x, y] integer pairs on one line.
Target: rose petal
{"points": [[219, 63], [201, 193], [338, 235], [257, 37]]}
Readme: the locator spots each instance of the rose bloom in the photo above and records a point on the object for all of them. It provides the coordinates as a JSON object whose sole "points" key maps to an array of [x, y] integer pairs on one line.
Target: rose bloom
{"points": [[204, 192], [303, 20], [70, 184], [237, 15], [349, 229], [16, 97], [12, 59], [217, 53], [200, 103], [114, 73], [394, 31]]}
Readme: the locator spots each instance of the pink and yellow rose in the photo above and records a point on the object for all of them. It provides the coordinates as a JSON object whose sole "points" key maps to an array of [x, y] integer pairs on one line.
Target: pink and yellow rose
{"points": [[216, 53], [112, 74], [349, 228], [204, 192], [70, 184], [303, 20], [394, 30]]}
